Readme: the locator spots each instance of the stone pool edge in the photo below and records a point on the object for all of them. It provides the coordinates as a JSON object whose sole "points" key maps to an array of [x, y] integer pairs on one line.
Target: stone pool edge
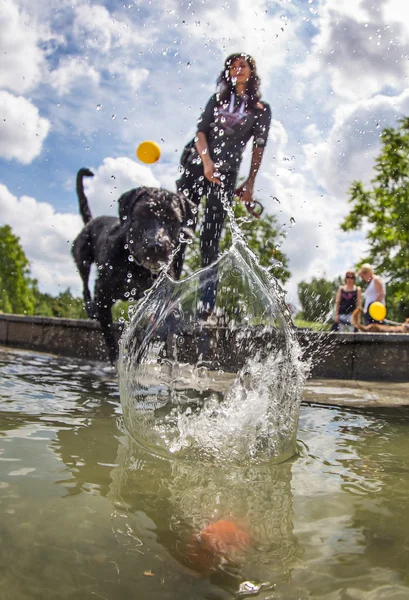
{"points": [[349, 356]]}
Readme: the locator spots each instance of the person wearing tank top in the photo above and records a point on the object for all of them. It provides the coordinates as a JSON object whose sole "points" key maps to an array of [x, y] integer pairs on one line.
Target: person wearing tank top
{"points": [[375, 292], [348, 298]]}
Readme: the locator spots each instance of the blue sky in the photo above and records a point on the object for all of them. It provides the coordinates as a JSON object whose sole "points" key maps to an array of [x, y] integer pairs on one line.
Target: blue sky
{"points": [[83, 83]]}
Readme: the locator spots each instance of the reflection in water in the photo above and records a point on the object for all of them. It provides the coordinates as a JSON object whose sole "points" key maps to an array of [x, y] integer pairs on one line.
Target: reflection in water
{"points": [[85, 513], [258, 499]]}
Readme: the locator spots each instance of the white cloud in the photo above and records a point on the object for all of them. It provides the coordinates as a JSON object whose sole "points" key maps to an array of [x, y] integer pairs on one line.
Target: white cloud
{"points": [[22, 130], [360, 48], [265, 34], [135, 77], [22, 60], [105, 31], [348, 150], [114, 177], [48, 244], [72, 73]]}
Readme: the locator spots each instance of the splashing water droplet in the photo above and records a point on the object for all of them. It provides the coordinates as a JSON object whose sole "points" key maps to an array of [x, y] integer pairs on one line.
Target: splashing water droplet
{"points": [[230, 393], [99, 106]]}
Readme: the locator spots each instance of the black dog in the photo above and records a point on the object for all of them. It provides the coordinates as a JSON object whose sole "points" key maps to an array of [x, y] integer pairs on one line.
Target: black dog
{"points": [[129, 251]]}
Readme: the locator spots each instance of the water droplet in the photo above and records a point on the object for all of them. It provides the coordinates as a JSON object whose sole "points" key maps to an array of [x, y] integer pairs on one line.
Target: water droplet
{"points": [[113, 117], [99, 106]]}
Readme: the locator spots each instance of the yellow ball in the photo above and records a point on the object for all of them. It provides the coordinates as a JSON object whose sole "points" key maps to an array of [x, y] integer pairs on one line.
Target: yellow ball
{"points": [[148, 152], [377, 311]]}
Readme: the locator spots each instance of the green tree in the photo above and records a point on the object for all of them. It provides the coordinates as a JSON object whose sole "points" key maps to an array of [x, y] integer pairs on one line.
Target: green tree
{"points": [[317, 298], [65, 305], [263, 237], [383, 209], [17, 294]]}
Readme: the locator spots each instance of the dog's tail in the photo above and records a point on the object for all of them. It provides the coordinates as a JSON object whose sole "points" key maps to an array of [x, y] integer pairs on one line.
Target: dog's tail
{"points": [[356, 320], [84, 208]]}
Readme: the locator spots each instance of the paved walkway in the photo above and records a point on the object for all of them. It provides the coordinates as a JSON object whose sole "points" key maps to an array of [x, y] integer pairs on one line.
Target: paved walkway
{"points": [[357, 394]]}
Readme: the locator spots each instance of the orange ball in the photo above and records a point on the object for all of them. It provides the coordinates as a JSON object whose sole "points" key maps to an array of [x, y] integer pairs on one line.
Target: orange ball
{"points": [[220, 539], [148, 152]]}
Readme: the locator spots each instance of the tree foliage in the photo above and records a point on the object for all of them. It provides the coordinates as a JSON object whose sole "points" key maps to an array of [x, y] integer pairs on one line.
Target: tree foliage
{"points": [[16, 294], [263, 237], [383, 209], [317, 298], [19, 293], [65, 305]]}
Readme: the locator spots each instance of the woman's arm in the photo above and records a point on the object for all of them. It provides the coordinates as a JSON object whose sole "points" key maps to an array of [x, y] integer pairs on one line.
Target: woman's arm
{"points": [[260, 136], [337, 303], [379, 290], [208, 165], [245, 190], [359, 298]]}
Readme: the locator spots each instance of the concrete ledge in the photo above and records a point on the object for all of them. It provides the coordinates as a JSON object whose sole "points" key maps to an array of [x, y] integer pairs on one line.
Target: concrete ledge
{"points": [[65, 337], [349, 356]]}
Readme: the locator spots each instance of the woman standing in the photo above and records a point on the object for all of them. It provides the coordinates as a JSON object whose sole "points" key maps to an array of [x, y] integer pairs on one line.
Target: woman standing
{"points": [[348, 298], [210, 163]]}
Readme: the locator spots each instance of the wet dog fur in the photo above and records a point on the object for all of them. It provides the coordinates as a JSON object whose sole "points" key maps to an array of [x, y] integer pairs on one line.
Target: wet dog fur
{"points": [[377, 327], [128, 251]]}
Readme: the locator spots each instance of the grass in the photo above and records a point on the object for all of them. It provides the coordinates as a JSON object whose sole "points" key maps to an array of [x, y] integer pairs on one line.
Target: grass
{"points": [[314, 325]]}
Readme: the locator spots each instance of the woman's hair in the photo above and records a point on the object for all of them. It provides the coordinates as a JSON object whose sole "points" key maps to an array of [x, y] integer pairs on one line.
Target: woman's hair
{"points": [[366, 268], [225, 84]]}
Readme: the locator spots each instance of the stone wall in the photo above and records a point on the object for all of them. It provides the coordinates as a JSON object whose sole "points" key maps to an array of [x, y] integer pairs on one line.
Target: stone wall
{"points": [[364, 356]]}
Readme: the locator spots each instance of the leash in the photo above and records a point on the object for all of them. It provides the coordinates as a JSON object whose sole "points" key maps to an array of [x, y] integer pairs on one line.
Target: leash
{"points": [[388, 322], [255, 208]]}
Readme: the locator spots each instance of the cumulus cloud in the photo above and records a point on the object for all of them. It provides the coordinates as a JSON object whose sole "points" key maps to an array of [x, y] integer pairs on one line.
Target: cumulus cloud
{"points": [[22, 130], [48, 244], [111, 179], [360, 48], [22, 59], [72, 73], [348, 150], [264, 33], [104, 31]]}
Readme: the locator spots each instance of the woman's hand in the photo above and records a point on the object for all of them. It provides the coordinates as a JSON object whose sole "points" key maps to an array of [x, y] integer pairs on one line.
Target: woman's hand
{"points": [[245, 194], [245, 191], [210, 172]]}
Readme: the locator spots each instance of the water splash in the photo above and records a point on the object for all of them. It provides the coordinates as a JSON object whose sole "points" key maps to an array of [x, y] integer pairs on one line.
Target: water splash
{"points": [[229, 393]]}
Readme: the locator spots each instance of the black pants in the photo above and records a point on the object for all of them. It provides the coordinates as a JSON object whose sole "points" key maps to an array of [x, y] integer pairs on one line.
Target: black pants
{"points": [[194, 185]]}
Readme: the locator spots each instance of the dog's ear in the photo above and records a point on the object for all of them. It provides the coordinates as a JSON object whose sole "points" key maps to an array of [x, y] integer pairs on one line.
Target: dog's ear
{"points": [[127, 201]]}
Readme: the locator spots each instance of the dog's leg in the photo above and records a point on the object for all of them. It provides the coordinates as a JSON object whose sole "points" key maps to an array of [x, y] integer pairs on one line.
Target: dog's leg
{"points": [[103, 305], [83, 256], [104, 316], [84, 269]]}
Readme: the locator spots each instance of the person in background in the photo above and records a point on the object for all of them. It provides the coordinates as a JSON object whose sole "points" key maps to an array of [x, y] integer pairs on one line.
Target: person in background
{"points": [[211, 161], [348, 298], [375, 291]]}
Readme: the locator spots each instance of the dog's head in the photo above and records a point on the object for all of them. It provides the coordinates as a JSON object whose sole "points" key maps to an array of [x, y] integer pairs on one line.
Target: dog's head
{"points": [[155, 222]]}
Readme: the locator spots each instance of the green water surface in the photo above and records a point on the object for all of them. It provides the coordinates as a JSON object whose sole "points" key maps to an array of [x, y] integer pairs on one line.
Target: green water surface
{"points": [[85, 513]]}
